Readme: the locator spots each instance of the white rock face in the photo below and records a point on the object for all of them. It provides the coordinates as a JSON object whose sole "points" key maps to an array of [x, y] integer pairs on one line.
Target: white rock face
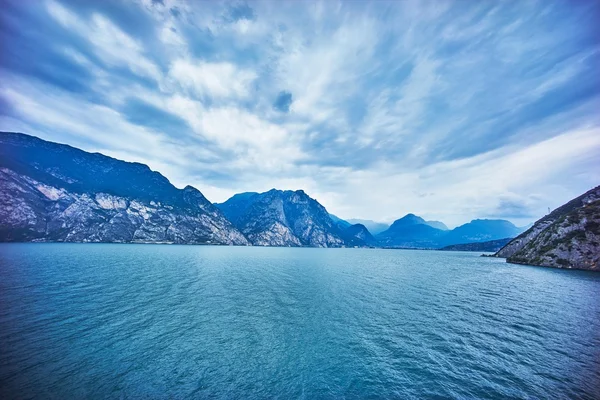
{"points": [[284, 218], [50, 192], [30, 210], [108, 202], [276, 235]]}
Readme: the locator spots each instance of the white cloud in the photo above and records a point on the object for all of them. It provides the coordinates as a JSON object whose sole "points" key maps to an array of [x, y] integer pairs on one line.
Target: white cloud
{"points": [[60, 116], [464, 189], [110, 43], [259, 144], [382, 94], [219, 80], [322, 73]]}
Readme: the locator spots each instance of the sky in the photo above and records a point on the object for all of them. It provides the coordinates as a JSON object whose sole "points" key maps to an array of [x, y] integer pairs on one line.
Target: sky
{"points": [[452, 110]]}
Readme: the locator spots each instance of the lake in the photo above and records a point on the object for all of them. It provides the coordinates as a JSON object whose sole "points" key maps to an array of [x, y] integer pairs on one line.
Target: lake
{"points": [[157, 321]]}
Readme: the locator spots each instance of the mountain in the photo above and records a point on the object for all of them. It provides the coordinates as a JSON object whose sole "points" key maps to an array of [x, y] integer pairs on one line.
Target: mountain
{"points": [[411, 231], [342, 224], [437, 225], [237, 205], [568, 237], [54, 192], [283, 218], [358, 235], [414, 232], [373, 227], [481, 230], [492, 245]]}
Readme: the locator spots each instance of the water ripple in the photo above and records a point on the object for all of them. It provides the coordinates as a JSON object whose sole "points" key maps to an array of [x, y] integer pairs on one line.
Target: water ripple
{"points": [[131, 321]]}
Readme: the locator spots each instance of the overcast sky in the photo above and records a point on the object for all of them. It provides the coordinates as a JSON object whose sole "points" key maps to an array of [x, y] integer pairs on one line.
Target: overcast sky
{"points": [[450, 110]]}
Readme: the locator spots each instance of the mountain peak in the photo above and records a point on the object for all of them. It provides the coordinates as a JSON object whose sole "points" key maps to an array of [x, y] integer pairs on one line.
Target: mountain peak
{"points": [[283, 218], [408, 219]]}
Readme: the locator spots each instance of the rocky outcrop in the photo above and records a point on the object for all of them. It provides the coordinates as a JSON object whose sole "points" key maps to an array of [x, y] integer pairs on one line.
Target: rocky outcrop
{"points": [[568, 237], [54, 192], [283, 218]]}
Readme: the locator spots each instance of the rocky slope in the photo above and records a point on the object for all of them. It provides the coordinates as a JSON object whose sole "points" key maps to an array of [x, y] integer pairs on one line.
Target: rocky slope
{"points": [[54, 192], [283, 218], [342, 224], [568, 237], [359, 235]]}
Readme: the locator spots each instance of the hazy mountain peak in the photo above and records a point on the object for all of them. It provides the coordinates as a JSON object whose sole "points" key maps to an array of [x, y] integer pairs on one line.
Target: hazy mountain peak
{"points": [[408, 219], [373, 226]]}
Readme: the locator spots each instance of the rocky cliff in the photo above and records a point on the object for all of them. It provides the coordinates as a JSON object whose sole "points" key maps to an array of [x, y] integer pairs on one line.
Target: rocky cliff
{"points": [[54, 192], [568, 237], [283, 218]]}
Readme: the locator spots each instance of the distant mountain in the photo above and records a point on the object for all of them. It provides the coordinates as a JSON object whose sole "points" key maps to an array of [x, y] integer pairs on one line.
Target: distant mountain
{"points": [[411, 231], [481, 230], [568, 237], [54, 192], [283, 218], [437, 225], [358, 235], [340, 222], [373, 227], [492, 245]]}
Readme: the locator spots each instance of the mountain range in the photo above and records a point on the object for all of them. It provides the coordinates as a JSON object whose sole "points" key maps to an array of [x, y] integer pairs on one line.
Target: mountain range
{"points": [[54, 192], [412, 231]]}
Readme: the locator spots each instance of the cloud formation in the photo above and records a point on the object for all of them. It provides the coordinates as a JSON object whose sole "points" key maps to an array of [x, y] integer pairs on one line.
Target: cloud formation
{"points": [[450, 110]]}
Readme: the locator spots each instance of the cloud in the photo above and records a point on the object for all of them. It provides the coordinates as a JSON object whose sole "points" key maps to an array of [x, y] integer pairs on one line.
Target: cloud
{"points": [[113, 46], [516, 207], [451, 110], [212, 80]]}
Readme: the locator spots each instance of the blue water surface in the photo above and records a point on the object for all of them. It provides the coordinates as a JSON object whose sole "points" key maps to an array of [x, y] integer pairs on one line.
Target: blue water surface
{"points": [[160, 321]]}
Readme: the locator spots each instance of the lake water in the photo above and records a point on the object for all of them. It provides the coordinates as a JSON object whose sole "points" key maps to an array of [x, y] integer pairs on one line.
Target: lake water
{"points": [[148, 321]]}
